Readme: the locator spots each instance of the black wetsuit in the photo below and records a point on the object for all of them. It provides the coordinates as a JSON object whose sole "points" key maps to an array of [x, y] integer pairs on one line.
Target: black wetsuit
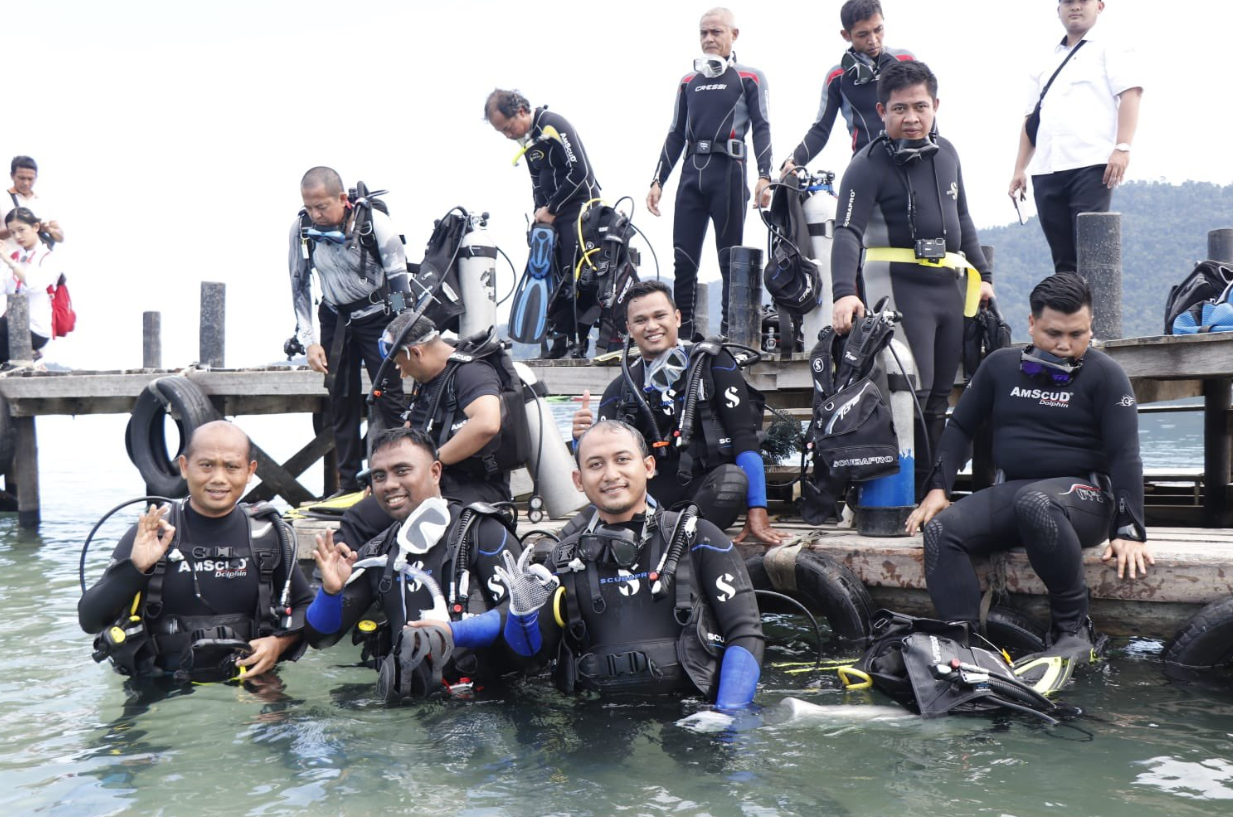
{"points": [[873, 212], [843, 91], [404, 599], [626, 621], [1070, 456], [470, 480], [562, 180], [712, 115], [729, 405], [225, 589]]}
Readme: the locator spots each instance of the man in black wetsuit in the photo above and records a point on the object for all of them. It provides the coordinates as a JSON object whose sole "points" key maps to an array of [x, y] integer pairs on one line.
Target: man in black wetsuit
{"points": [[460, 560], [724, 472], [1066, 440], [625, 605], [902, 201], [716, 105], [203, 577], [562, 182], [467, 425], [852, 86], [362, 270]]}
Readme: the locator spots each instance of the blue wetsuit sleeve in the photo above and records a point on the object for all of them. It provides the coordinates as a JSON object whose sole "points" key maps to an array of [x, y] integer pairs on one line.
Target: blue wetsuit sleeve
{"points": [[477, 631], [522, 633], [325, 613], [738, 678], [751, 463]]}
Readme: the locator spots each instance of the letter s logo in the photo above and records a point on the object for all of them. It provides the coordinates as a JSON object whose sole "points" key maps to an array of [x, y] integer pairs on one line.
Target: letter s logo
{"points": [[496, 588], [629, 585], [724, 585], [730, 397], [415, 584]]}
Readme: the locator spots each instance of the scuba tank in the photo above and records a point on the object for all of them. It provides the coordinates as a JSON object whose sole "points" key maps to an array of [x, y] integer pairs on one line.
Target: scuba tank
{"points": [[550, 463], [886, 503], [820, 209], [477, 276]]}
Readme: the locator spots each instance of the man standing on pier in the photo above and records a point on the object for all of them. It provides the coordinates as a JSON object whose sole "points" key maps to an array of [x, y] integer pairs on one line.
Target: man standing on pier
{"points": [[716, 105], [362, 270], [1081, 119], [24, 171], [1066, 445]]}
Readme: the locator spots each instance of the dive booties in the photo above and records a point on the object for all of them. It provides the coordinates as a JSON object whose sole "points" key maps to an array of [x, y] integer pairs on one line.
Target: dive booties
{"points": [[412, 670]]}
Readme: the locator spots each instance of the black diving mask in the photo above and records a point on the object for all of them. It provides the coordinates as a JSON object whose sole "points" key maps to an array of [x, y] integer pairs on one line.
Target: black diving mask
{"points": [[862, 72], [1060, 370], [618, 546], [907, 151]]}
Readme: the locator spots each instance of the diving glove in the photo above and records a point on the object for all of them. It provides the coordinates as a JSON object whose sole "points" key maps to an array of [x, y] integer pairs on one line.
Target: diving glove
{"points": [[529, 585]]}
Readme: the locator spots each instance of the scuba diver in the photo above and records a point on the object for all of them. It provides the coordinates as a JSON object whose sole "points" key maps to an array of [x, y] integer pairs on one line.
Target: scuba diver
{"points": [[716, 105], [642, 601], [902, 201], [202, 589], [1066, 445], [851, 86], [362, 270], [562, 183], [715, 460], [435, 561]]}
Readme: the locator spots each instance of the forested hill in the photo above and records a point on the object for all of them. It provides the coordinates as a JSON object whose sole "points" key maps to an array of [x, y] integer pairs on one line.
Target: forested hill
{"points": [[1164, 232]]}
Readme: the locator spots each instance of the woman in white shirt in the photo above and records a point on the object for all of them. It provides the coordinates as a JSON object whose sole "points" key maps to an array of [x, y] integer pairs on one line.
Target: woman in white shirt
{"points": [[33, 273]]}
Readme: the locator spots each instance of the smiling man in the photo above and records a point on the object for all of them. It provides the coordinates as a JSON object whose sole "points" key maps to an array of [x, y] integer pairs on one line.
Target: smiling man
{"points": [[903, 231], [459, 557], [1066, 445], [216, 592], [721, 467]]}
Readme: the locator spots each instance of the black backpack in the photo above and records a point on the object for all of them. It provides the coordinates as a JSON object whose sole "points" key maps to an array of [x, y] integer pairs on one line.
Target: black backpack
{"points": [[1205, 283], [986, 332], [851, 436], [606, 271], [364, 202], [791, 277], [435, 278]]}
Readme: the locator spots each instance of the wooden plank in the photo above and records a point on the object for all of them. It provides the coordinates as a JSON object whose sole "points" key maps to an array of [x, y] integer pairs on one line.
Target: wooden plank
{"points": [[279, 479], [299, 462]]}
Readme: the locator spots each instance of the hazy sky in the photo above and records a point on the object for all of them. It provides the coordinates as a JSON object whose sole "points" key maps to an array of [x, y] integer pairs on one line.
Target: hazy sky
{"points": [[171, 137]]}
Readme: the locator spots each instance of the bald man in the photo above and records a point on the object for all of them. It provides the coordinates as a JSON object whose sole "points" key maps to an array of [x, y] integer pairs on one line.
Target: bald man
{"points": [[217, 594]]}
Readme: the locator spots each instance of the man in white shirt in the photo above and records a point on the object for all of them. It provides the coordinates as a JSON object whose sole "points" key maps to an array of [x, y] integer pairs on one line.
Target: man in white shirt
{"points": [[1087, 121], [24, 171]]}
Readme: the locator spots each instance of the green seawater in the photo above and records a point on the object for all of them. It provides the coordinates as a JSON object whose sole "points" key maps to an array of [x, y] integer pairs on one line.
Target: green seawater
{"points": [[74, 741]]}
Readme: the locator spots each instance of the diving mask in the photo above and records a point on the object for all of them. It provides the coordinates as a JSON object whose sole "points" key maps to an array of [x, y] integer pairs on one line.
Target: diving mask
{"points": [[863, 70], [712, 66], [663, 372], [1061, 370], [619, 546]]}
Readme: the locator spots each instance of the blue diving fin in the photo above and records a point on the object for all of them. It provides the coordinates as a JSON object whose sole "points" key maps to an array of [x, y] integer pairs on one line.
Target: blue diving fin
{"points": [[528, 316]]}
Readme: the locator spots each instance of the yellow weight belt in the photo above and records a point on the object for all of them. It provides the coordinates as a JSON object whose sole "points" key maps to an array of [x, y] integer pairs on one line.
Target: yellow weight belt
{"points": [[952, 260]]}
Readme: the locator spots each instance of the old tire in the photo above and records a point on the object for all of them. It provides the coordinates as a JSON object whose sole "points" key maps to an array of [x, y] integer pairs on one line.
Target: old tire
{"points": [[1202, 649], [1014, 632], [146, 439], [825, 586]]}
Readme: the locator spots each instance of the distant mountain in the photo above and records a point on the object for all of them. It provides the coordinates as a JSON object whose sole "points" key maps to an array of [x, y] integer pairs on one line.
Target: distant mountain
{"points": [[1164, 232]]}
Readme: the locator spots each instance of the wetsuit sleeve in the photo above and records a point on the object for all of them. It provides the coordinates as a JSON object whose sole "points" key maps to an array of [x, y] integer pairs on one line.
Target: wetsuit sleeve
{"points": [[858, 195], [574, 186], [301, 289], [735, 410], [723, 580], [393, 254], [610, 404], [1119, 430], [101, 604], [675, 142], [760, 120], [975, 405], [818, 135], [329, 618], [970, 240]]}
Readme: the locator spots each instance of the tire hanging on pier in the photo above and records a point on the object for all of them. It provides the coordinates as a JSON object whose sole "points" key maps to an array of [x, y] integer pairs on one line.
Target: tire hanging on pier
{"points": [[1013, 631], [146, 439], [1202, 649], [820, 583]]}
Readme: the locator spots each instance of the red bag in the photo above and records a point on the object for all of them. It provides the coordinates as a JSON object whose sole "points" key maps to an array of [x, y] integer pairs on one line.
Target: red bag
{"points": [[63, 318]]}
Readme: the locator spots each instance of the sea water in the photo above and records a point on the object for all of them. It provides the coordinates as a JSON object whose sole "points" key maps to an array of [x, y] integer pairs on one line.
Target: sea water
{"points": [[74, 741]]}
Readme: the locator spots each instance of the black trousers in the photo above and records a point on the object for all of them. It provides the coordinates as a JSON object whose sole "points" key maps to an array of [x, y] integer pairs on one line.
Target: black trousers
{"points": [[712, 189], [1060, 198], [1053, 519], [348, 401], [563, 312]]}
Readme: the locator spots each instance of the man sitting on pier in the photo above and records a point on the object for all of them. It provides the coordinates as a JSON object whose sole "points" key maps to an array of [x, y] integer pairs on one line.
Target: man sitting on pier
{"points": [[1066, 443], [728, 476], [456, 548]]}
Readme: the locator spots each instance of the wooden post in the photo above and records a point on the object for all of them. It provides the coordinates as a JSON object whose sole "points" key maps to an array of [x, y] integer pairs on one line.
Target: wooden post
{"points": [[213, 322], [26, 462], [151, 340], [1100, 262], [1216, 452], [18, 315], [1220, 245], [745, 297]]}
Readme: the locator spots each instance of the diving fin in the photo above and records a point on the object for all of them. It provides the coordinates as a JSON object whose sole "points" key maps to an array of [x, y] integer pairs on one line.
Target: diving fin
{"points": [[528, 316], [1045, 674]]}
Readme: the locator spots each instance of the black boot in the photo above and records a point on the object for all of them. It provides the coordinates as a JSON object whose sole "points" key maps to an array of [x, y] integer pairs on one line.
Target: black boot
{"points": [[558, 349]]}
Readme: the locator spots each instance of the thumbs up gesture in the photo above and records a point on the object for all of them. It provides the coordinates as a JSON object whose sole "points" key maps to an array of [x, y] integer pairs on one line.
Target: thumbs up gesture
{"points": [[582, 417]]}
